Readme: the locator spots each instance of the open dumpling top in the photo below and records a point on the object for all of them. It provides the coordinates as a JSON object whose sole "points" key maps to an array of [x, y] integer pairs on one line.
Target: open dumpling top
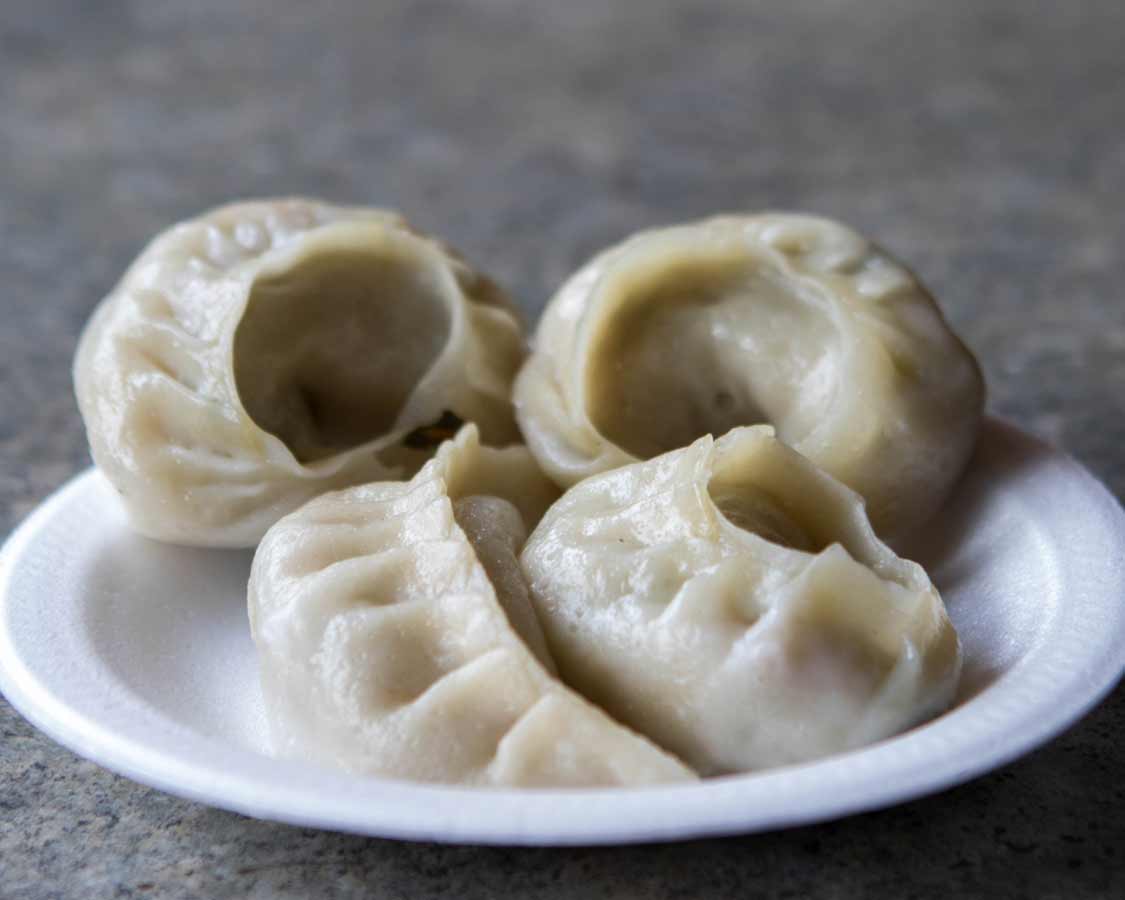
{"points": [[731, 601], [789, 320], [268, 351]]}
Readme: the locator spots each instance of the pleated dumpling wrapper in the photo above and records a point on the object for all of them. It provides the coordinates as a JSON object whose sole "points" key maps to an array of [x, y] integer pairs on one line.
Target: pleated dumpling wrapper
{"points": [[269, 351], [396, 638], [730, 601], [781, 319]]}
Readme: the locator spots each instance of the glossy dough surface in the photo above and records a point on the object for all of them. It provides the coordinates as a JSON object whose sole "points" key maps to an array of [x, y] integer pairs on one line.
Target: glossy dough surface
{"points": [[731, 601], [396, 638], [268, 351], [785, 319]]}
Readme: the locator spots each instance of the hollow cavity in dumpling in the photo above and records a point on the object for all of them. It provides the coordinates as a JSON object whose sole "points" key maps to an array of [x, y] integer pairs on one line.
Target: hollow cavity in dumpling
{"points": [[760, 511], [731, 601], [701, 343], [329, 349], [269, 351], [783, 319], [396, 636]]}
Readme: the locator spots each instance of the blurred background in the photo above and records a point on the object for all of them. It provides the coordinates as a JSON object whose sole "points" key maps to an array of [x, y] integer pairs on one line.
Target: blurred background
{"points": [[982, 141]]}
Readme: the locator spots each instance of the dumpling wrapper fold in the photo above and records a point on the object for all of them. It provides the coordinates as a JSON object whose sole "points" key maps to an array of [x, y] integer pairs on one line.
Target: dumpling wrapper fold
{"points": [[730, 601], [268, 351], [782, 319], [396, 638]]}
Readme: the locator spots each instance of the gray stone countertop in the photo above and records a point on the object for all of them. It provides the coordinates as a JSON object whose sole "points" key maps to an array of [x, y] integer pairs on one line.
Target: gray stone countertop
{"points": [[983, 142]]}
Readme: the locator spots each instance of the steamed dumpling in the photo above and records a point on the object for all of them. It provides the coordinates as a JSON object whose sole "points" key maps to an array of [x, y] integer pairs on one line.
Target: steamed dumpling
{"points": [[396, 638], [730, 601], [784, 319], [268, 351]]}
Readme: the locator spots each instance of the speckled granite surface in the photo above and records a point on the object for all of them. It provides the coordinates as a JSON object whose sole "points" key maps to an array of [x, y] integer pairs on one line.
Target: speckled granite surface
{"points": [[984, 142]]}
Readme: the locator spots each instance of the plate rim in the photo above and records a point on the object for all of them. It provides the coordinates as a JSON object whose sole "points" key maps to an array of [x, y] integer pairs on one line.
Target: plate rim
{"points": [[404, 810]]}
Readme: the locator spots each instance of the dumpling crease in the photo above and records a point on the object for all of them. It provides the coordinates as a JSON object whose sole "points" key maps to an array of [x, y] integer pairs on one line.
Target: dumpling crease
{"points": [[396, 638]]}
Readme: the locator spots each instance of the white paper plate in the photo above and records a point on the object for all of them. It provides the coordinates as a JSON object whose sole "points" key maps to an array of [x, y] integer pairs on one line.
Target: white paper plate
{"points": [[138, 656]]}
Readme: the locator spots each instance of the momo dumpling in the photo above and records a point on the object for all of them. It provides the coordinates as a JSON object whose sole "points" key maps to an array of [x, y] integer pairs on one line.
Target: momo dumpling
{"points": [[269, 351], [730, 601], [781, 319], [396, 638]]}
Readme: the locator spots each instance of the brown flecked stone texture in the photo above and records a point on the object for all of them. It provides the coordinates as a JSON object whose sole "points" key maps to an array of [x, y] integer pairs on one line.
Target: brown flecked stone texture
{"points": [[982, 142]]}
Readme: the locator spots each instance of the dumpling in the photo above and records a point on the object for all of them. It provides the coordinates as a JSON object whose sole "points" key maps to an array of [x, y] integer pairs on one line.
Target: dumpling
{"points": [[782, 319], [730, 601], [268, 351], [396, 638]]}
